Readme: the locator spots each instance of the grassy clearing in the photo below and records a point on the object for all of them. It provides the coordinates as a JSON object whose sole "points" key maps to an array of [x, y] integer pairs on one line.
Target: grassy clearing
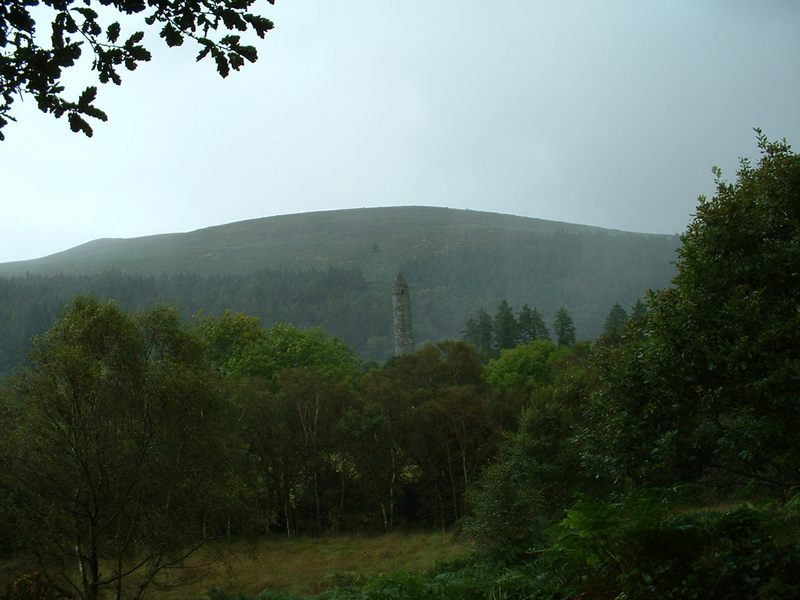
{"points": [[311, 565], [299, 565]]}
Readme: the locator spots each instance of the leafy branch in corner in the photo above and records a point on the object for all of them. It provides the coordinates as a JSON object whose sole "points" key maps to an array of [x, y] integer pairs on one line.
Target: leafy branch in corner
{"points": [[32, 64]]}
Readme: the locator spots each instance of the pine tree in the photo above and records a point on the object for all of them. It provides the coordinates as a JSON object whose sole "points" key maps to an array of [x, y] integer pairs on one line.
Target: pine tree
{"points": [[470, 333], [530, 325], [564, 328], [615, 324], [638, 310], [505, 327], [525, 328], [478, 331]]}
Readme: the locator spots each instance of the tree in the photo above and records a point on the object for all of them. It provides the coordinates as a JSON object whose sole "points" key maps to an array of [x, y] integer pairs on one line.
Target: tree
{"points": [[638, 310], [291, 386], [707, 385], [738, 288], [523, 368], [441, 425], [121, 448], [228, 339], [459, 437], [303, 462], [479, 332], [539, 465], [505, 327], [287, 347], [32, 64], [564, 328], [369, 447], [379, 431], [615, 324], [531, 326]]}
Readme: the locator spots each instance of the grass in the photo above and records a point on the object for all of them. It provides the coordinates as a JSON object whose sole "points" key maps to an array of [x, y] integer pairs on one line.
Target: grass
{"points": [[312, 565], [302, 566]]}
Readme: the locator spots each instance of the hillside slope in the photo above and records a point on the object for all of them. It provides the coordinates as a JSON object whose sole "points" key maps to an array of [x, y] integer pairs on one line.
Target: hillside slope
{"points": [[374, 240], [335, 269]]}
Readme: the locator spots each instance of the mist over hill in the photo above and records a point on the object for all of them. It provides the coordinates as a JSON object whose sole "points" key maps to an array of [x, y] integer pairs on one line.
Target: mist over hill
{"points": [[335, 269]]}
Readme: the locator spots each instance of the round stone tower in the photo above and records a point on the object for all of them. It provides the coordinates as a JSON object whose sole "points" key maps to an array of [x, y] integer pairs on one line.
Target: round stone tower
{"points": [[401, 304]]}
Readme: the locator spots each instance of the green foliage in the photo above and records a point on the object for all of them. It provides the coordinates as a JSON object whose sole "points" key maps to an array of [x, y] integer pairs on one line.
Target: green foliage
{"points": [[236, 343], [121, 449], [531, 325], [479, 331], [491, 336], [505, 327], [32, 66], [334, 451], [288, 347], [640, 548], [441, 426], [638, 310], [337, 300], [738, 286], [539, 467], [694, 397], [229, 338], [523, 368], [508, 516], [265, 595], [444, 582], [293, 388], [564, 328], [616, 321], [706, 384]]}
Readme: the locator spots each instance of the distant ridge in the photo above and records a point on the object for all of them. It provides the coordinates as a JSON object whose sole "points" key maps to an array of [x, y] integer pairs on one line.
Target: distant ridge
{"points": [[374, 240]]}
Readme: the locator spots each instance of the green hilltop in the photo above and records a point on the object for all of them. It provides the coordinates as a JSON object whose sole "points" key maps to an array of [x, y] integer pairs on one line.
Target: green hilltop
{"points": [[374, 240]]}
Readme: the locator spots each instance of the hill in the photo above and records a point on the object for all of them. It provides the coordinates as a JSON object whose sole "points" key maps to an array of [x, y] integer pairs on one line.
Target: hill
{"points": [[336, 268], [373, 240]]}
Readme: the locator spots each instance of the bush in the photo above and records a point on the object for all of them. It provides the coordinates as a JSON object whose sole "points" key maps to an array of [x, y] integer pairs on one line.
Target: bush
{"points": [[641, 549], [33, 586]]}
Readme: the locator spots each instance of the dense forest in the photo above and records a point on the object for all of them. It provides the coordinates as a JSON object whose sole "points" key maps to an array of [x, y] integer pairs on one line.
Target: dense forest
{"points": [[658, 461], [336, 299]]}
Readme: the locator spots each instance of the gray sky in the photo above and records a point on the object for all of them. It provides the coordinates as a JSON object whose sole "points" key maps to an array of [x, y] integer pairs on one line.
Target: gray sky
{"points": [[607, 113]]}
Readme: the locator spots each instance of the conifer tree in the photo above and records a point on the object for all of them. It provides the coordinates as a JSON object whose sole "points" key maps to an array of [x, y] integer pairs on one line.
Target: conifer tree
{"points": [[638, 310], [525, 325], [530, 325], [478, 331], [505, 327], [564, 328], [615, 324]]}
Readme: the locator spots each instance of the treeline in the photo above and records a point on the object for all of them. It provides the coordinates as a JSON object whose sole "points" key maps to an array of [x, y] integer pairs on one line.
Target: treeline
{"points": [[505, 330], [338, 300]]}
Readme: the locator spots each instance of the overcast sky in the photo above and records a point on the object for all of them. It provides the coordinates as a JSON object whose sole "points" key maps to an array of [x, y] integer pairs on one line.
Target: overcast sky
{"points": [[607, 113]]}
